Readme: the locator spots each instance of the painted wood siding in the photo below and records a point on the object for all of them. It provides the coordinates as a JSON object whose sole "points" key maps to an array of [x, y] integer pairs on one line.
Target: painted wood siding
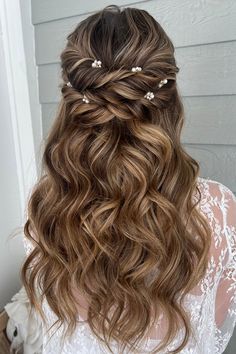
{"points": [[204, 35]]}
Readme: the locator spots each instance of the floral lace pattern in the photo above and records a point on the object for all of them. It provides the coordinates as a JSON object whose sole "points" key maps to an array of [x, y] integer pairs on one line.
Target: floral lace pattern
{"points": [[212, 306]]}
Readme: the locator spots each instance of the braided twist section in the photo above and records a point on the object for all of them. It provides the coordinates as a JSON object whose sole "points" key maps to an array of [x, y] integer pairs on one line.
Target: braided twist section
{"points": [[117, 92]]}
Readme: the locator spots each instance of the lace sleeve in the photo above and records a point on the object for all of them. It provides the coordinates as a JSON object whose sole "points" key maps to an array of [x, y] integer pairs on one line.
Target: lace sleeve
{"points": [[225, 306]]}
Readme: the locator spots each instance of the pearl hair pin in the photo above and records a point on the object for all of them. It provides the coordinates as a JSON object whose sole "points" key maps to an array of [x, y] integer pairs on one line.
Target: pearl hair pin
{"points": [[85, 99], [137, 68], [97, 64], [162, 82], [149, 95]]}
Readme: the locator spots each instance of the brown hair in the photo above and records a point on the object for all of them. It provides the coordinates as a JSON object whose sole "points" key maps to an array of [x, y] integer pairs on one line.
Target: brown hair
{"points": [[115, 201]]}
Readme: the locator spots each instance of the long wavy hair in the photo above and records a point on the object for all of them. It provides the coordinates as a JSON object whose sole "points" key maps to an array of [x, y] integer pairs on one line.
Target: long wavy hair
{"points": [[114, 212]]}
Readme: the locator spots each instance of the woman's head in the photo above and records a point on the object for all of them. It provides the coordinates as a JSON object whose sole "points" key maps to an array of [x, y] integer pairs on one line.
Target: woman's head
{"points": [[121, 40], [115, 201]]}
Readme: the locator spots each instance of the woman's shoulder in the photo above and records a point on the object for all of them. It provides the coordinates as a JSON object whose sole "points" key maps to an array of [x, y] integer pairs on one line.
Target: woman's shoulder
{"points": [[218, 203], [216, 189]]}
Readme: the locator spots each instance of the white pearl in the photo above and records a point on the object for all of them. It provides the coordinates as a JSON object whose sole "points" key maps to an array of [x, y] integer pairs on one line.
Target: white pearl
{"points": [[149, 95], [96, 63], [137, 68], [85, 99]]}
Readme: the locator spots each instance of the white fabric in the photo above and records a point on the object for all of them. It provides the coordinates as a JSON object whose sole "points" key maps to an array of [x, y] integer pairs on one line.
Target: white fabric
{"points": [[211, 305], [23, 331]]}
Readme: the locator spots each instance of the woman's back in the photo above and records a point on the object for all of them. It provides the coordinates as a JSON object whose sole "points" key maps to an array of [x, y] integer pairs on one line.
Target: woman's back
{"points": [[211, 305]]}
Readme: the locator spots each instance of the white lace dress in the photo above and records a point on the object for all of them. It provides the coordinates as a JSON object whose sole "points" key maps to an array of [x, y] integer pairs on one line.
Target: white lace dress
{"points": [[212, 306]]}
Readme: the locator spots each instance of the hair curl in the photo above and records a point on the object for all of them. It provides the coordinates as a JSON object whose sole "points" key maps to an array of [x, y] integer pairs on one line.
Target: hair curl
{"points": [[115, 201]]}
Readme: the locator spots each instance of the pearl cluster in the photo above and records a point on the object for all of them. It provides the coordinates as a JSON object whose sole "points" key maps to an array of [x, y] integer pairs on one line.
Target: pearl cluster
{"points": [[137, 68], [149, 95], [162, 82], [85, 99], [97, 64]]}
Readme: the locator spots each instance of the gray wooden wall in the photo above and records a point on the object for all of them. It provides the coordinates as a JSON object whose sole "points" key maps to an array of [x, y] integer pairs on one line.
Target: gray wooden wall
{"points": [[204, 34]]}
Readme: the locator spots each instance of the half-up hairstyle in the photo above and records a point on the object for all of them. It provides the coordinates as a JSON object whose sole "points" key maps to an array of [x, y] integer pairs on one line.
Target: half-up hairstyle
{"points": [[114, 213]]}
